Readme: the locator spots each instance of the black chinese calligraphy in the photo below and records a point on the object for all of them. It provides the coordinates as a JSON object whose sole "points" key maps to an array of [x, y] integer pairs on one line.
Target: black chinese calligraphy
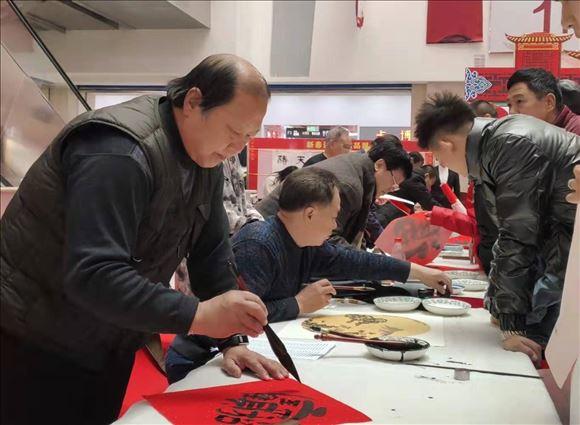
{"points": [[268, 408]]}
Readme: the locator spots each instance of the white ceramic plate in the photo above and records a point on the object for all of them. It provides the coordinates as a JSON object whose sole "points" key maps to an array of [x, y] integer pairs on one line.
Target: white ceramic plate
{"points": [[471, 284], [465, 274], [457, 289], [399, 355], [446, 306], [397, 303]]}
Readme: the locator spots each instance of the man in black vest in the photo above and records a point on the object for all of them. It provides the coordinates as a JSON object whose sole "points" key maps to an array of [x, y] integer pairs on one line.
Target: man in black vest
{"points": [[95, 231]]}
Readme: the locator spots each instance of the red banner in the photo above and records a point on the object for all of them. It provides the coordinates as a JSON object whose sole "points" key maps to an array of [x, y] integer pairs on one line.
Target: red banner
{"points": [[454, 21], [259, 402]]}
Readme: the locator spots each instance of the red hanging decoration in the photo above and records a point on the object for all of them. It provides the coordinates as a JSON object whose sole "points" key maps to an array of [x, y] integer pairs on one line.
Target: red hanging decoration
{"points": [[359, 14]]}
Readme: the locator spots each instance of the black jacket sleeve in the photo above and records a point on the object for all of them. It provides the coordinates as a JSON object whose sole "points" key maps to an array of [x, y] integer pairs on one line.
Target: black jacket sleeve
{"points": [[518, 170]]}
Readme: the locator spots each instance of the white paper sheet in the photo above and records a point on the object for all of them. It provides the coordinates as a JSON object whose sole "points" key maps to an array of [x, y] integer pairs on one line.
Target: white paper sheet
{"points": [[297, 348]]}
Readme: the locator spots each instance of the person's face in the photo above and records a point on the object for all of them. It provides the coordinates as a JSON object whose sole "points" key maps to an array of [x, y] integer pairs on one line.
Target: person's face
{"points": [[571, 16], [319, 221], [212, 136], [387, 180], [521, 100], [341, 145], [449, 149]]}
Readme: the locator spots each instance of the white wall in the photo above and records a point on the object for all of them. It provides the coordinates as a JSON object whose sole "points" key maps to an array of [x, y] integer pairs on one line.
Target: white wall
{"points": [[389, 48], [392, 109]]}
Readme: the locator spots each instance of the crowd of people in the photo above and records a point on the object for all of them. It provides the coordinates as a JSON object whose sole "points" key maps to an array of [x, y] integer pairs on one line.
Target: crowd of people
{"points": [[126, 194]]}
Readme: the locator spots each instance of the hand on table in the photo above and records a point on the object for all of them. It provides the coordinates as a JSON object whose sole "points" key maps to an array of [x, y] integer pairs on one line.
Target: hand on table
{"points": [[230, 313], [238, 358], [315, 296], [433, 278], [574, 184], [524, 345]]}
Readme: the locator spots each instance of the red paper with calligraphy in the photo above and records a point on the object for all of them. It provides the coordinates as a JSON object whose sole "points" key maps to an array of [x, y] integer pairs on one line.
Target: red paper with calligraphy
{"points": [[422, 242], [260, 402]]}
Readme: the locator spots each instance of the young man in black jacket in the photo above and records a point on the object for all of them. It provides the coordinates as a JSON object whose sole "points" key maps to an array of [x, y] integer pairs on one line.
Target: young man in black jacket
{"points": [[523, 166]]}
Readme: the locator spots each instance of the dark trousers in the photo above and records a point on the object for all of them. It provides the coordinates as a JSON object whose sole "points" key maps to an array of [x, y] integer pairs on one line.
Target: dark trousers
{"points": [[39, 387]]}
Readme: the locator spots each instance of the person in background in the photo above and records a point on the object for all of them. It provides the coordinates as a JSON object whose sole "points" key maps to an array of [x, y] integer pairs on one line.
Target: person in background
{"points": [[373, 227], [362, 178], [430, 174], [535, 92], [417, 160], [98, 226], [484, 109], [238, 209], [275, 179], [445, 175], [570, 94], [523, 166], [337, 142], [412, 188]]}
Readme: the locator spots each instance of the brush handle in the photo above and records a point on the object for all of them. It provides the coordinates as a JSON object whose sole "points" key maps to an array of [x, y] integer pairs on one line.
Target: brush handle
{"points": [[387, 344]]}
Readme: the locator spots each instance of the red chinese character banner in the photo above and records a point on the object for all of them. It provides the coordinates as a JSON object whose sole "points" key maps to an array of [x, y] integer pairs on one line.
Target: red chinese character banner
{"points": [[259, 402]]}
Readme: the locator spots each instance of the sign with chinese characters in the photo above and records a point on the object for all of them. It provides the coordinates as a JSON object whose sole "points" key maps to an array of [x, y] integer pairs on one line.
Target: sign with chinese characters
{"points": [[259, 402], [269, 155], [313, 131]]}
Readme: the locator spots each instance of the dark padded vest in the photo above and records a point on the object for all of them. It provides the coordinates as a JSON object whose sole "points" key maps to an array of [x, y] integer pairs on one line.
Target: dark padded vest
{"points": [[34, 305]]}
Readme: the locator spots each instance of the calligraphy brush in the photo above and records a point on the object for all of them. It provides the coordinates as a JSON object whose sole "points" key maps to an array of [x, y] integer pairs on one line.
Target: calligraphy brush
{"points": [[276, 343], [391, 345]]}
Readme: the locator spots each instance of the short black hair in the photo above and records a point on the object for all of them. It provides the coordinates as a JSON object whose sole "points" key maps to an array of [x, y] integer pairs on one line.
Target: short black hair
{"points": [[282, 174], [570, 94], [416, 157], [539, 81], [387, 138], [442, 112], [394, 156], [481, 108], [217, 77], [305, 187]]}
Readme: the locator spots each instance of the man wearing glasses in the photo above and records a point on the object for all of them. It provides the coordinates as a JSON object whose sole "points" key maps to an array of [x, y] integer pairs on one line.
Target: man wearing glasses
{"points": [[362, 178]]}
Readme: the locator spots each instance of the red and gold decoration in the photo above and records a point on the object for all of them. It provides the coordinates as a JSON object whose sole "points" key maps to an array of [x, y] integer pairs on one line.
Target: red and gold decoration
{"points": [[535, 50]]}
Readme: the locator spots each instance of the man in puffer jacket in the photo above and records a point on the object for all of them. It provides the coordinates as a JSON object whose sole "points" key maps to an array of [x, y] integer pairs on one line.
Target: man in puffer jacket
{"points": [[522, 165]]}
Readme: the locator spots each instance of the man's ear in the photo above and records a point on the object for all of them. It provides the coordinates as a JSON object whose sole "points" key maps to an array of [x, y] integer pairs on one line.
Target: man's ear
{"points": [[380, 165], [550, 101], [193, 99], [446, 144], [308, 213]]}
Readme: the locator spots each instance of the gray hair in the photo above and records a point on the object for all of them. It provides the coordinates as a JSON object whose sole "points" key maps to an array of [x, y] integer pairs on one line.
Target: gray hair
{"points": [[336, 133]]}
